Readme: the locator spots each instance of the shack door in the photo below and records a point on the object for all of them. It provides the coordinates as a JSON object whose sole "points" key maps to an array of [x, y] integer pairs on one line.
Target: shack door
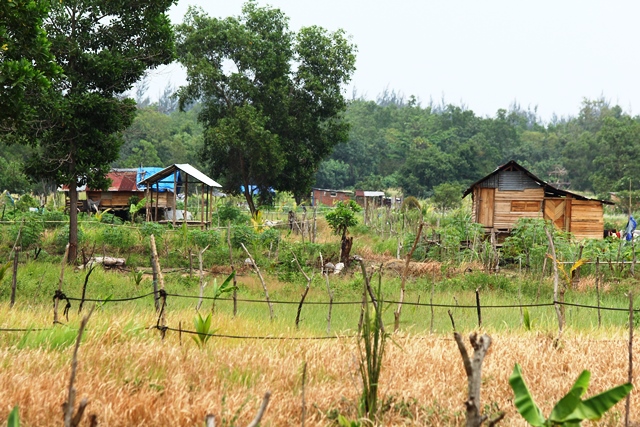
{"points": [[555, 211], [485, 207]]}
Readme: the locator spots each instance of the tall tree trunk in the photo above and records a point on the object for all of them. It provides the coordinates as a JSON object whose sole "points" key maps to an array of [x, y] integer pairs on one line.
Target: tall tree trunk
{"points": [[73, 222]]}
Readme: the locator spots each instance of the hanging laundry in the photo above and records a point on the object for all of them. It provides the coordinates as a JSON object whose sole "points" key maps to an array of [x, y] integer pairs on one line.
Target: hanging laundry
{"points": [[631, 227]]}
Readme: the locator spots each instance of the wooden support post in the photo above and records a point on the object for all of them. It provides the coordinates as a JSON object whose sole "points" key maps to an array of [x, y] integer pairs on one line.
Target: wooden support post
{"points": [[329, 291], [233, 270], [186, 198], [175, 195], [202, 219]]}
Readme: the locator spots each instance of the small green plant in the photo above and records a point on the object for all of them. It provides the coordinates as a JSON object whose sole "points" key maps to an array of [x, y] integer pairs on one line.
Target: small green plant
{"points": [[371, 346], [137, 277], [14, 418], [225, 288], [203, 329], [345, 422], [571, 410], [526, 318]]}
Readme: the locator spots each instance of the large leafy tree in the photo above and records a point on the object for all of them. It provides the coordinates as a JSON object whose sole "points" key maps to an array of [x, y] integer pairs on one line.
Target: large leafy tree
{"points": [[26, 62], [272, 99], [103, 47]]}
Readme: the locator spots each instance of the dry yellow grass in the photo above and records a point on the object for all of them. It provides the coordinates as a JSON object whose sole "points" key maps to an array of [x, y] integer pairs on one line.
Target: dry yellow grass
{"points": [[132, 378]]}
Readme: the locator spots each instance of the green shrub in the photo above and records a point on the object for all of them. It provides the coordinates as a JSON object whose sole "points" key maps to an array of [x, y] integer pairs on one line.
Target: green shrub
{"points": [[243, 234], [109, 218], [204, 238], [269, 237], [230, 212], [54, 219], [25, 202], [62, 237], [149, 228], [118, 237], [30, 229]]}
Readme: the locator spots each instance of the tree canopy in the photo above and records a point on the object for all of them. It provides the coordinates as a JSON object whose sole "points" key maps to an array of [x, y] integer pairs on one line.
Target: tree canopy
{"points": [[272, 100], [103, 48]]}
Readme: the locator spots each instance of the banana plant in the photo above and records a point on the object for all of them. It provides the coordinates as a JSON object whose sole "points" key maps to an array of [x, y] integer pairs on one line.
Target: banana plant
{"points": [[226, 287], [571, 410]]}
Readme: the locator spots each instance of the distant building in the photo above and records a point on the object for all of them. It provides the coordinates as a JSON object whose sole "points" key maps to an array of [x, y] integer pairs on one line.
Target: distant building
{"points": [[329, 197]]}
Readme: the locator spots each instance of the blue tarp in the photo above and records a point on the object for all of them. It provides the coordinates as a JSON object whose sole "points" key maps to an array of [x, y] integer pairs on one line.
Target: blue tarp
{"points": [[165, 184]]}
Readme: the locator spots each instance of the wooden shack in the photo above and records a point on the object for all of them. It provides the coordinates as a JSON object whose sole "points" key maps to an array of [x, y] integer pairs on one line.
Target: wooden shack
{"points": [[511, 192]]}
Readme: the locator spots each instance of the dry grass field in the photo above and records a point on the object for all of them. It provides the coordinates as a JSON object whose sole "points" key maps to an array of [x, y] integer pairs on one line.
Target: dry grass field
{"points": [[133, 378]]}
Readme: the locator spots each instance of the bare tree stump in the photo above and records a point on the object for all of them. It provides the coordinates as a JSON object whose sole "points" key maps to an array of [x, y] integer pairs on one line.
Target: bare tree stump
{"points": [[473, 369]]}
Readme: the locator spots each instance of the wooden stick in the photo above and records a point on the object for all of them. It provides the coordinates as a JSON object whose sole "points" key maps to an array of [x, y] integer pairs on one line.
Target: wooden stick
{"points": [[398, 311], [56, 301], [306, 289], [263, 407], [304, 403], [202, 282], [161, 299], [14, 277], [598, 290], [264, 286], [329, 291], [555, 280], [69, 419], [233, 270], [478, 307]]}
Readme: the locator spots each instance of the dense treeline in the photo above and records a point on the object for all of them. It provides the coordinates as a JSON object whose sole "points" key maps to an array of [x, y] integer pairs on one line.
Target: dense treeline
{"points": [[398, 143]]}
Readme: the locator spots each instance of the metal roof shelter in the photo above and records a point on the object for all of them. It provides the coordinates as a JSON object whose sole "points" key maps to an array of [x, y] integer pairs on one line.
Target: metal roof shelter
{"points": [[183, 175]]}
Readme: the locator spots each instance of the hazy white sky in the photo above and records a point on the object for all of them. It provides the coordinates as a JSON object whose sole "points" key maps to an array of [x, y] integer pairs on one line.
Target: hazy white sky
{"points": [[484, 54]]}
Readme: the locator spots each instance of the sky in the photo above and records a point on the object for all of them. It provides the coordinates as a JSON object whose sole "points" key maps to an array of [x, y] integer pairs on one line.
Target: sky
{"points": [[481, 54]]}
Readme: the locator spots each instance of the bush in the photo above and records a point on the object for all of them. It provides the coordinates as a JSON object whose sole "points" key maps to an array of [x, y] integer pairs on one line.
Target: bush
{"points": [[204, 238], [149, 228], [30, 229], [118, 237], [230, 212], [54, 219], [269, 237], [26, 202], [243, 234], [62, 237]]}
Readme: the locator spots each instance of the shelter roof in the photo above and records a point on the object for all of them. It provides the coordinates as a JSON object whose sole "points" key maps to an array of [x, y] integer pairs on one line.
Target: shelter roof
{"points": [[182, 170], [548, 188]]}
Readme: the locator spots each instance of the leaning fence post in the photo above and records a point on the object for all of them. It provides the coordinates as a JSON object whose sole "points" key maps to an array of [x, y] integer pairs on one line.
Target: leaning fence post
{"points": [[598, 290], [405, 271], [233, 270], [306, 289], [264, 286], [56, 300], [552, 248], [161, 296], [630, 379], [478, 307], [14, 278], [329, 291]]}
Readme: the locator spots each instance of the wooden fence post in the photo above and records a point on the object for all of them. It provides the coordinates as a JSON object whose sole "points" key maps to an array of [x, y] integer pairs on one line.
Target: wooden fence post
{"points": [[478, 307], [559, 311], [161, 296], [14, 278], [56, 300], [233, 270], [598, 290]]}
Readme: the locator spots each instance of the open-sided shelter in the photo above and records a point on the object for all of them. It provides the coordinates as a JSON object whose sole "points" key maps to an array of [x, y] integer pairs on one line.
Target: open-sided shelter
{"points": [[177, 178], [512, 192]]}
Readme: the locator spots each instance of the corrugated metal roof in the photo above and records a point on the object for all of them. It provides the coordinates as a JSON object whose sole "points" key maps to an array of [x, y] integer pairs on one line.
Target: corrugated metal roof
{"points": [[184, 168]]}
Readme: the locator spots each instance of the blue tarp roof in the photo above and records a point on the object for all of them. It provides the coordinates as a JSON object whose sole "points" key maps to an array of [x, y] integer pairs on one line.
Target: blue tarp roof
{"points": [[165, 184]]}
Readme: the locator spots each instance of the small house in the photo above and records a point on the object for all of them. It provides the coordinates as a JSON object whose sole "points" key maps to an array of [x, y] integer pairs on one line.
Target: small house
{"points": [[329, 197], [512, 192]]}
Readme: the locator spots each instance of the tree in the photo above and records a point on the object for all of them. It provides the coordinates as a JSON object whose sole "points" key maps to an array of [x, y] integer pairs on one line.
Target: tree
{"points": [[26, 62], [272, 99], [103, 47], [340, 219], [447, 196]]}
